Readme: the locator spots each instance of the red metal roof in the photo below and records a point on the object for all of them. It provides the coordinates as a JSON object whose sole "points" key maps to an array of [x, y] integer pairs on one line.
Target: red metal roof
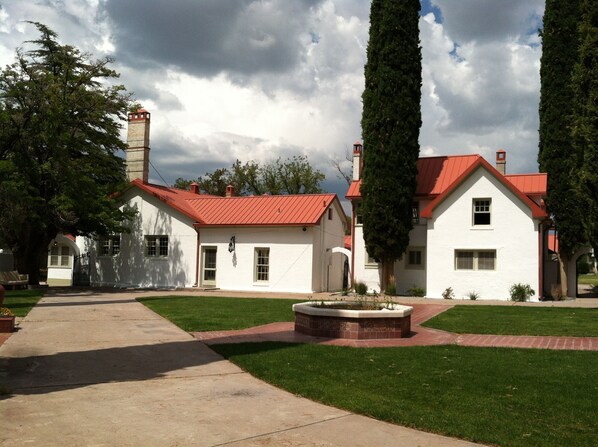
{"points": [[434, 174], [438, 176], [537, 212], [348, 242], [530, 184], [301, 209], [206, 210]]}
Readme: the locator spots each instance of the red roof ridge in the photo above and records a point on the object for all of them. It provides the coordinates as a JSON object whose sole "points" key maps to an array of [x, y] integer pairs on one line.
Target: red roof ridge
{"points": [[520, 175], [482, 162], [449, 156]]}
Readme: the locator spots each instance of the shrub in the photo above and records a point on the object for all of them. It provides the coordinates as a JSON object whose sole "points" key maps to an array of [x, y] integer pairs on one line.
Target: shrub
{"points": [[391, 290], [556, 293], [416, 291], [448, 293], [473, 295], [361, 288], [521, 292], [583, 268]]}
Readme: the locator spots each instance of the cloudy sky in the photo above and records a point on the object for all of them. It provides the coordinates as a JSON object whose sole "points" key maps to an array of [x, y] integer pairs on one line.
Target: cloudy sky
{"points": [[259, 79]]}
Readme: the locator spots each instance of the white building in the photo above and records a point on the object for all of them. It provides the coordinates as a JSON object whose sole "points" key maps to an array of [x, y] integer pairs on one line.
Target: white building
{"points": [[476, 230], [182, 239]]}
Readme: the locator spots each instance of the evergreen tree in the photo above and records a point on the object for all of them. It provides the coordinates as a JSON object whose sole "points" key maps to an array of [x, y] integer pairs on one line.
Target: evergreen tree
{"points": [[557, 155], [59, 135], [390, 123], [585, 116]]}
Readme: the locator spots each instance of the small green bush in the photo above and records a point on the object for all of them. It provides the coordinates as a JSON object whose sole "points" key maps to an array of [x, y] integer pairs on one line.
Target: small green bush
{"points": [[416, 291], [583, 268], [473, 295], [521, 292], [361, 288], [448, 293], [391, 290]]}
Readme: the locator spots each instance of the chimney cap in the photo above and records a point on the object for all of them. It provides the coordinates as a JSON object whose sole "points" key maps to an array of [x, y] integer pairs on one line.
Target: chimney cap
{"points": [[139, 115], [357, 147]]}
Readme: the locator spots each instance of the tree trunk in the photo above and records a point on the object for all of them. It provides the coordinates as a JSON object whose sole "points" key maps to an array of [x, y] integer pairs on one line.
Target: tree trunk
{"points": [[29, 255], [388, 276], [563, 263]]}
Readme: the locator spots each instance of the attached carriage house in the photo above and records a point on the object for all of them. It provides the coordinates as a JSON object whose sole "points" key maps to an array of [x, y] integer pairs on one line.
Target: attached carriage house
{"points": [[475, 230], [183, 239]]}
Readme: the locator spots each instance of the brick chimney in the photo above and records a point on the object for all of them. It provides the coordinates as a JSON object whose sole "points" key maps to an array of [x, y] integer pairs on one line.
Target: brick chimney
{"points": [[357, 160], [138, 145], [230, 191], [501, 161], [194, 188]]}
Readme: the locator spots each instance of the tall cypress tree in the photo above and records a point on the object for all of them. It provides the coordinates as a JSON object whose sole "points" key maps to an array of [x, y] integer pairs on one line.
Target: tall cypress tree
{"points": [[390, 123], [557, 155], [585, 116]]}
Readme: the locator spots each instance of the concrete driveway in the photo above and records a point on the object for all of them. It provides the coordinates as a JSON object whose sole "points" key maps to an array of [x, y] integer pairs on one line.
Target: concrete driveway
{"points": [[100, 369]]}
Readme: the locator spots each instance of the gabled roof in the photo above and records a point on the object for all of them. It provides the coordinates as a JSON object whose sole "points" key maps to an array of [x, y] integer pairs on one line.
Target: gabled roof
{"points": [[530, 184], [481, 163], [438, 176], [275, 210]]}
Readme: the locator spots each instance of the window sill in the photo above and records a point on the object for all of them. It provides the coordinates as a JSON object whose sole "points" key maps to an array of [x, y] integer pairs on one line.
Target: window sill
{"points": [[482, 228], [64, 267]]}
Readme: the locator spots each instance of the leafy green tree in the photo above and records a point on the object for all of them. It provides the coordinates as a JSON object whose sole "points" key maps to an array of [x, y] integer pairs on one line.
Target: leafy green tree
{"points": [[557, 155], [59, 137], [390, 123], [292, 176], [585, 116]]}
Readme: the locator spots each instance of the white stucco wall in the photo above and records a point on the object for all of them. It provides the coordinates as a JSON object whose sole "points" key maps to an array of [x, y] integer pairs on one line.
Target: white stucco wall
{"points": [[290, 257], [406, 276], [300, 261], [132, 268], [513, 233], [364, 272]]}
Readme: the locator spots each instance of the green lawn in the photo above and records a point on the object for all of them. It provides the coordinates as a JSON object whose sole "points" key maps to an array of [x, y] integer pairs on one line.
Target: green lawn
{"points": [[505, 397], [209, 313], [498, 396], [20, 302], [588, 279], [508, 320]]}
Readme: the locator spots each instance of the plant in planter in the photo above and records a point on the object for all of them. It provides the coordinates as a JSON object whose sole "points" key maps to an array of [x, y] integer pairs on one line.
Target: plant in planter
{"points": [[7, 320]]}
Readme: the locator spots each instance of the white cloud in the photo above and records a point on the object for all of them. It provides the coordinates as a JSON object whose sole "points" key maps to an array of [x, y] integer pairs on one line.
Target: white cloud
{"points": [[228, 79]]}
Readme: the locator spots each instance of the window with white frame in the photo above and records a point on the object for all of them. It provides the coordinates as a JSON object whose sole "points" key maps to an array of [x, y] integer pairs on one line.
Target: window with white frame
{"points": [[415, 258], [60, 256], [481, 211], [262, 265], [156, 246], [475, 259], [109, 245], [358, 215], [415, 213]]}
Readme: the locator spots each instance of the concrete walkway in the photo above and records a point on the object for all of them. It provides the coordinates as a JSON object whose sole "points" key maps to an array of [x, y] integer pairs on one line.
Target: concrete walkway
{"points": [[100, 369]]}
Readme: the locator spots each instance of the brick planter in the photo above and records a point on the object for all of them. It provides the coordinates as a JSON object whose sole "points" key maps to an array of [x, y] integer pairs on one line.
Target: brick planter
{"points": [[352, 324], [7, 324]]}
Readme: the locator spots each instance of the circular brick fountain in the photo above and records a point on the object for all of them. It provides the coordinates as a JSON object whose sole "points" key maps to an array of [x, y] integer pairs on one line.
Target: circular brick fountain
{"points": [[334, 319]]}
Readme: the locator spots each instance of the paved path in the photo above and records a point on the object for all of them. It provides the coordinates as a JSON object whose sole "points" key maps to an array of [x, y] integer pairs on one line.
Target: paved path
{"points": [[91, 369], [420, 336]]}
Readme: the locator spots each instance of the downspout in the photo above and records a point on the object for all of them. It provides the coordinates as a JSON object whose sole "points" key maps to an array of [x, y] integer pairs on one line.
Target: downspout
{"points": [[541, 260], [352, 284], [197, 251]]}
